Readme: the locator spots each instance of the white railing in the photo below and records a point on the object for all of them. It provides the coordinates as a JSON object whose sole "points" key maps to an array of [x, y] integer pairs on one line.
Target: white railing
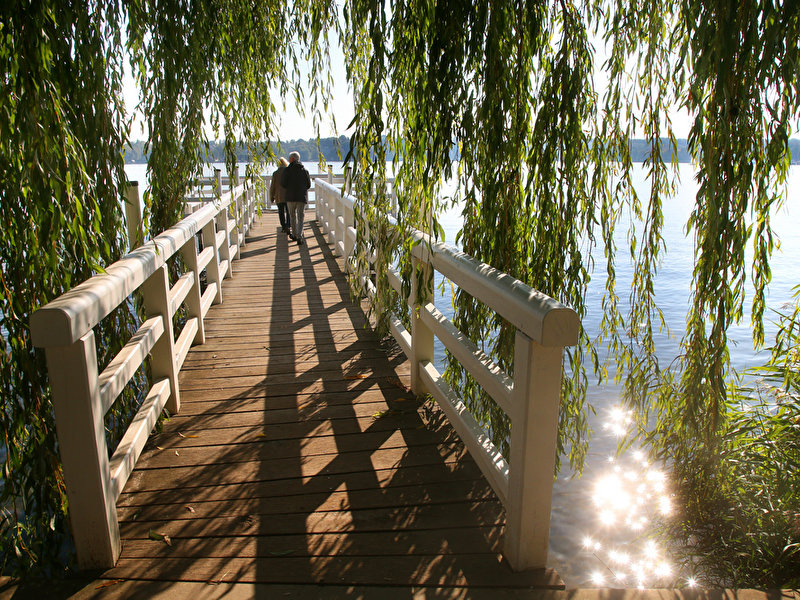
{"points": [[524, 480], [209, 189], [82, 395]]}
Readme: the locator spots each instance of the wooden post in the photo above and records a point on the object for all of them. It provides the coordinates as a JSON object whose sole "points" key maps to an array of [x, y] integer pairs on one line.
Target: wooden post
{"points": [[218, 183], [250, 195], [323, 208], [225, 248], [223, 225], [341, 225], [212, 269], [193, 299], [394, 200], [332, 213], [349, 221], [322, 200], [82, 445], [534, 429], [421, 335], [239, 206], [155, 291], [133, 216]]}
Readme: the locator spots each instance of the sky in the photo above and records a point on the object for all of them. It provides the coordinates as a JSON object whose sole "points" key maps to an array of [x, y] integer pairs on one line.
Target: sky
{"points": [[294, 125]]}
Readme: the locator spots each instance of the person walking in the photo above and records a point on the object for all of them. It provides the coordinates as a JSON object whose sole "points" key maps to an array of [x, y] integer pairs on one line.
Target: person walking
{"points": [[297, 181], [277, 193]]}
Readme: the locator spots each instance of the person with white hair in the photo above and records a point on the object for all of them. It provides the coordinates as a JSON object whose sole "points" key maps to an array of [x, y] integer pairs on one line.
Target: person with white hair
{"points": [[277, 194], [297, 181]]}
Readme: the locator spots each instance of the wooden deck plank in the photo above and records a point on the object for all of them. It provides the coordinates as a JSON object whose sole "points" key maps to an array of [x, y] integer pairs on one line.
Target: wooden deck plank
{"points": [[301, 457], [443, 570]]}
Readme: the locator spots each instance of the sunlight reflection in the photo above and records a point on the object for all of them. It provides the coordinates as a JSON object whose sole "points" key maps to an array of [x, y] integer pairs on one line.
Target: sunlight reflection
{"points": [[629, 498]]}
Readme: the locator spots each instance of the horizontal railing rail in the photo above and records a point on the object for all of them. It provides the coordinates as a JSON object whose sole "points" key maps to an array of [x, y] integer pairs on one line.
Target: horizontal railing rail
{"points": [[82, 393], [523, 481]]}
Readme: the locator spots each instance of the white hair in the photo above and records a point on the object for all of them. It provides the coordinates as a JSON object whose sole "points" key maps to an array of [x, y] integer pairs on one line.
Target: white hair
{"points": [[294, 156]]}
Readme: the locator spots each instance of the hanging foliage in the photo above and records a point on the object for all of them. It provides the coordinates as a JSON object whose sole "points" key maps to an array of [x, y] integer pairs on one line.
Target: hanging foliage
{"points": [[200, 66], [223, 65], [60, 180], [499, 96], [545, 173]]}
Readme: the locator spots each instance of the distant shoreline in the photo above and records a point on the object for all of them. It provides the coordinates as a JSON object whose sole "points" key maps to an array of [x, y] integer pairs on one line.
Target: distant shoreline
{"points": [[335, 149]]}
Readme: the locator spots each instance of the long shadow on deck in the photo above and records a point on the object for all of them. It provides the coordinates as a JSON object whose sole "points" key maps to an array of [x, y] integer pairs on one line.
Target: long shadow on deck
{"points": [[322, 470]]}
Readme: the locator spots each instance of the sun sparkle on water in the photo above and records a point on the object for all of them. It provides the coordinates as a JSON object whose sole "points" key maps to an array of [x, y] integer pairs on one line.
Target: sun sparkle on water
{"points": [[628, 497]]}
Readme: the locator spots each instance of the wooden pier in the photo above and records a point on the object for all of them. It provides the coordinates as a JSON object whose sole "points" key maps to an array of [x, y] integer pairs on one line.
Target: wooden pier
{"points": [[297, 461], [301, 457]]}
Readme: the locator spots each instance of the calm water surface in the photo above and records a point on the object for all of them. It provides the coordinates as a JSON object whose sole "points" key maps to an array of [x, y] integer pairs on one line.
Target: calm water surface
{"points": [[586, 511]]}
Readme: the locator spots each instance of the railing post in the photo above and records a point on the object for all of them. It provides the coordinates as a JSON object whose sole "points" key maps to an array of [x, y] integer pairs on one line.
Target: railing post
{"points": [[251, 207], [393, 200], [241, 208], [133, 216], [340, 224], [349, 246], [332, 213], [82, 445], [324, 199], [325, 209], [212, 269], [155, 292], [421, 335], [222, 225], [534, 430], [225, 249], [193, 299]]}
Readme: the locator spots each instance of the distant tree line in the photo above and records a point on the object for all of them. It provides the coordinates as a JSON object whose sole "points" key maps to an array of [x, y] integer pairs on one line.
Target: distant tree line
{"points": [[331, 148], [335, 149]]}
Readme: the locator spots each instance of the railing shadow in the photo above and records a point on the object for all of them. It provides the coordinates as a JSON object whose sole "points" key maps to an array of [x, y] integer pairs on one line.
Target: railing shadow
{"points": [[317, 465]]}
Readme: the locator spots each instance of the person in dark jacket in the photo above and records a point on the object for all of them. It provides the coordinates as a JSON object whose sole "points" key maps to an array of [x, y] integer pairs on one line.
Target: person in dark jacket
{"points": [[277, 193], [297, 181]]}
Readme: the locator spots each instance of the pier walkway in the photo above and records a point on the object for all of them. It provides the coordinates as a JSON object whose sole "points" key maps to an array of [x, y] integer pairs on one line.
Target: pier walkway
{"points": [[300, 456]]}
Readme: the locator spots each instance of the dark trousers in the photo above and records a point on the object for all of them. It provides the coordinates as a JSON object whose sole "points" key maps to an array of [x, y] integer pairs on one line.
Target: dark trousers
{"points": [[283, 215]]}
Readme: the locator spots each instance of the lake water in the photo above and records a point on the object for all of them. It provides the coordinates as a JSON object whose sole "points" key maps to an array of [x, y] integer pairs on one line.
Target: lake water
{"points": [[587, 535]]}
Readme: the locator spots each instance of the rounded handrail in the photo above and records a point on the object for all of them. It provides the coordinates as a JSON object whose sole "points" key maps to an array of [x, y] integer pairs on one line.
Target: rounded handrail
{"points": [[66, 319]]}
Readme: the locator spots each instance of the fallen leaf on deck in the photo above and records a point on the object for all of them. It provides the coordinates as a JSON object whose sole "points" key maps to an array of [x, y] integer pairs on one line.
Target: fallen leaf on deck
{"points": [[359, 376], [186, 436], [378, 414], [160, 537], [176, 453], [262, 435], [189, 508], [159, 448], [397, 383], [218, 581], [109, 583]]}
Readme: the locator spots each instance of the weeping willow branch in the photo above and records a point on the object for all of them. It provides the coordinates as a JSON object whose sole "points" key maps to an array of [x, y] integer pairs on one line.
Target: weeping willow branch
{"points": [[545, 173]]}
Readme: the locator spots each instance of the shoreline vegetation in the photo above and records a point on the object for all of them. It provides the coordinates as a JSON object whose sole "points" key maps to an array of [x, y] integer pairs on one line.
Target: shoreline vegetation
{"points": [[335, 148]]}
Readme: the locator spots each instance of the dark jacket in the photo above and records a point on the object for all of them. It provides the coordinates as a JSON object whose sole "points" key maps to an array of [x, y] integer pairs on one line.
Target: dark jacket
{"points": [[277, 192], [296, 180]]}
